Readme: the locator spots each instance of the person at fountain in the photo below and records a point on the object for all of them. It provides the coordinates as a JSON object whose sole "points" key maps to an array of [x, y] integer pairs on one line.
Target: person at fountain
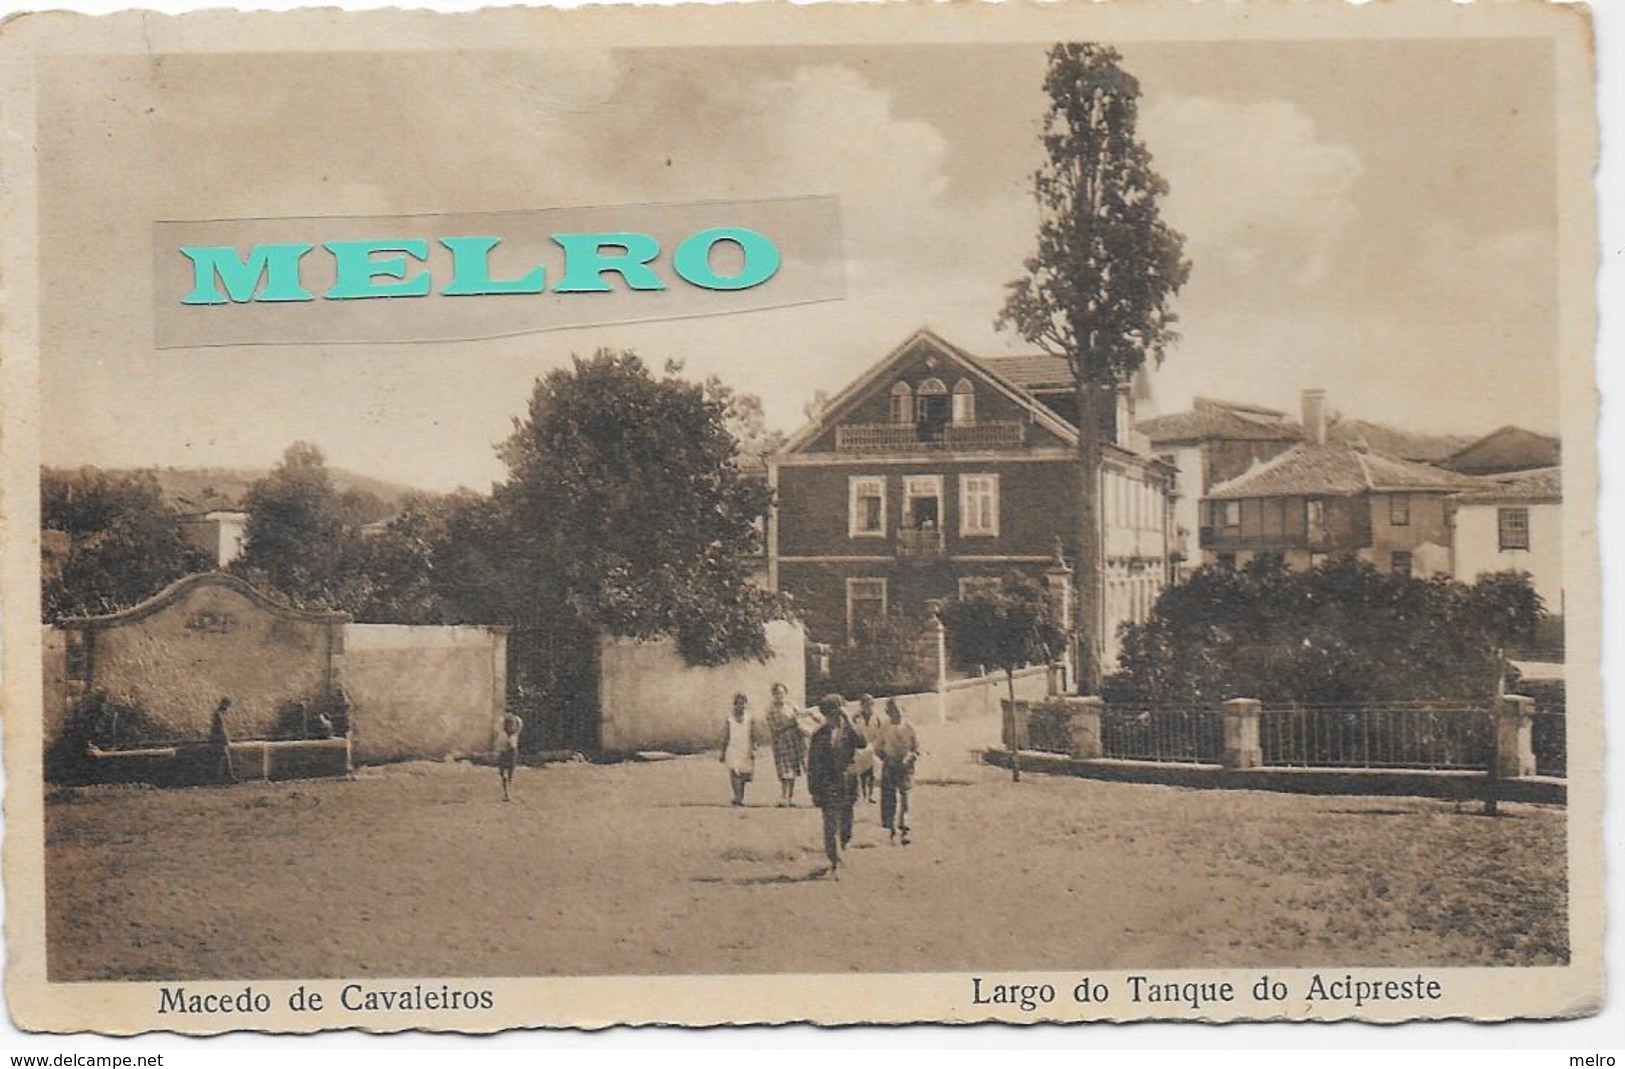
{"points": [[220, 743]]}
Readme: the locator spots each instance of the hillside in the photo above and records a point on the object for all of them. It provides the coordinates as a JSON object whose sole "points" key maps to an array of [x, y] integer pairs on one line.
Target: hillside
{"points": [[206, 489]]}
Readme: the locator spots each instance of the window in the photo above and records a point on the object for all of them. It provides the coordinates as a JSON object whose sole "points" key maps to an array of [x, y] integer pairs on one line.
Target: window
{"points": [[978, 504], [865, 605], [964, 402], [1400, 563], [1229, 513], [867, 507], [1399, 510], [902, 403], [922, 502], [971, 585], [1514, 528], [931, 409], [1314, 518]]}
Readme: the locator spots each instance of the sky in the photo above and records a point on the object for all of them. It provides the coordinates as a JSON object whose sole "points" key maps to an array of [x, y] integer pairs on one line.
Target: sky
{"points": [[1377, 219]]}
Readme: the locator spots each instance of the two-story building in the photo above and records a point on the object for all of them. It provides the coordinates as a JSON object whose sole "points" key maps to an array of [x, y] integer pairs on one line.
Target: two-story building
{"points": [[1324, 499], [936, 472], [1514, 523], [1212, 443]]}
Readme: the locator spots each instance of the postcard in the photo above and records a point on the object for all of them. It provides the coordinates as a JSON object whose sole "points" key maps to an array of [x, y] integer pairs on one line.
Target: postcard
{"points": [[759, 514]]}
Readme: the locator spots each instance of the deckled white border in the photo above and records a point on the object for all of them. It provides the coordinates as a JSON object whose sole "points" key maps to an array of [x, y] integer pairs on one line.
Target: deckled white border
{"points": [[1600, 1032]]}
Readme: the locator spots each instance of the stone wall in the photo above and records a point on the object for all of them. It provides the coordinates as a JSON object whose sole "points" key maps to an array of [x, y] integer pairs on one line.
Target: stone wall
{"points": [[651, 700], [424, 692], [414, 692], [203, 638]]}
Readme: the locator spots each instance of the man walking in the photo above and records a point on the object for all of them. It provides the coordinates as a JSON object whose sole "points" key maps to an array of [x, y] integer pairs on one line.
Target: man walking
{"points": [[830, 777], [898, 749]]}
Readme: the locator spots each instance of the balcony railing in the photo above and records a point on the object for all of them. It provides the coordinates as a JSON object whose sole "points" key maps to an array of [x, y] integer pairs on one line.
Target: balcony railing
{"points": [[906, 437], [912, 543]]}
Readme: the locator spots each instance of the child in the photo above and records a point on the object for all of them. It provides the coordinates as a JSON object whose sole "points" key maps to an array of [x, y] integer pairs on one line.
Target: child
{"points": [[508, 750], [866, 724], [738, 748]]}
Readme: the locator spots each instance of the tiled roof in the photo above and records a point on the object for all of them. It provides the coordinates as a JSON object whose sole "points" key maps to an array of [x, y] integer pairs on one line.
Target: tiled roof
{"points": [[1336, 469], [1393, 442], [1215, 421], [1545, 485], [1508, 449], [1035, 371]]}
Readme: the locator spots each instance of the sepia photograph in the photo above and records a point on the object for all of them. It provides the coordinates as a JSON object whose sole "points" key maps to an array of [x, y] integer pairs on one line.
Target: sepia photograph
{"points": [[1066, 523]]}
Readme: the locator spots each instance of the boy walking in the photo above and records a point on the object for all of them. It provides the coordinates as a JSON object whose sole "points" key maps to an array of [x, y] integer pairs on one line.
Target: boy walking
{"points": [[898, 749]]}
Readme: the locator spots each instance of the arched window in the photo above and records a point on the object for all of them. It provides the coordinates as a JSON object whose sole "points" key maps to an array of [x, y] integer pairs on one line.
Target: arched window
{"points": [[964, 402], [902, 409], [931, 409]]}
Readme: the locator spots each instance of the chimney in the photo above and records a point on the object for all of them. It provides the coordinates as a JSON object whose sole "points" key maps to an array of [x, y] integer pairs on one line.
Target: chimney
{"points": [[1314, 415]]}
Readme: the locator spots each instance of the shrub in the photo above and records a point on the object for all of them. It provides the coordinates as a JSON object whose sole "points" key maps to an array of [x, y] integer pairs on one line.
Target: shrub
{"points": [[1341, 633], [884, 660]]}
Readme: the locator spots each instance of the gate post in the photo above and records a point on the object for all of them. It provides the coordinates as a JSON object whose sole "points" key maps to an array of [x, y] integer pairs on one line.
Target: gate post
{"points": [[1514, 736], [1241, 743]]}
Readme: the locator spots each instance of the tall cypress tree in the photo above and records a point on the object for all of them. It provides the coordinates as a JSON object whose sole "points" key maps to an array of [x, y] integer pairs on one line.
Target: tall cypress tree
{"points": [[1098, 289]]}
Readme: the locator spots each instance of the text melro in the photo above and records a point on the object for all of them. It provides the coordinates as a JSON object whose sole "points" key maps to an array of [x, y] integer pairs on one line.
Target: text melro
{"points": [[273, 273]]}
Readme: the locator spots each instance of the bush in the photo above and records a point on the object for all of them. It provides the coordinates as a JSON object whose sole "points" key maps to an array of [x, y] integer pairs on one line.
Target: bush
{"points": [[885, 660], [1340, 633], [100, 720]]}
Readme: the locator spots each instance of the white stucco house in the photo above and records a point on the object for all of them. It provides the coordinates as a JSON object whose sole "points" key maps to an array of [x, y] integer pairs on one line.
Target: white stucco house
{"points": [[1514, 523]]}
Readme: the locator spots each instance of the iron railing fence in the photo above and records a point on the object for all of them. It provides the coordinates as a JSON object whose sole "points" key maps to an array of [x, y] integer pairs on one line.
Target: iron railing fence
{"points": [[1413, 735], [1191, 734]]}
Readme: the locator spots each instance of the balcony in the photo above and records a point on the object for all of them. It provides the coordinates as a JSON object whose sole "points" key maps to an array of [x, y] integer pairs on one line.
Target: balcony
{"points": [[909, 437], [915, 544]]}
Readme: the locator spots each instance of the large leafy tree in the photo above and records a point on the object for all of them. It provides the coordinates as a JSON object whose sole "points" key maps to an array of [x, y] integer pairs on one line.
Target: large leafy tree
{"points": [[108, 540], [631, 508], [1097, 291], [303, 532]]}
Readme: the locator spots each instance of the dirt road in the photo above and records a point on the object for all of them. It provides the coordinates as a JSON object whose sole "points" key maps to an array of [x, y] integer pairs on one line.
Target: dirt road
{"points": [[421, 870]]}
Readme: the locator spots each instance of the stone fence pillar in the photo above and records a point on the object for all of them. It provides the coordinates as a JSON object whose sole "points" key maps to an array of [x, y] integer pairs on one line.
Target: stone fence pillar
{"points": [[1083, 725], [1514, 736], [1241, 745]]}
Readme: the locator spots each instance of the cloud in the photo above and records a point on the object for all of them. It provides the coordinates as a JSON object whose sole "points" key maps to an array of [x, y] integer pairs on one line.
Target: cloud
{"points": [[1487, 274], [1261, 197]]}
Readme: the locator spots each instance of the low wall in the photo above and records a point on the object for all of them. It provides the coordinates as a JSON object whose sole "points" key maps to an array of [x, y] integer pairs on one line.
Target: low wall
{"points": [[651, 700], [1455, 786], [966, 699], [424, 692]]}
